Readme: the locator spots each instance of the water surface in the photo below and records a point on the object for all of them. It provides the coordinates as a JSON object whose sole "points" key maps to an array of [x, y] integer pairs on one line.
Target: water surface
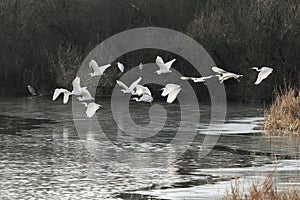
{"points": [[43, 157]]}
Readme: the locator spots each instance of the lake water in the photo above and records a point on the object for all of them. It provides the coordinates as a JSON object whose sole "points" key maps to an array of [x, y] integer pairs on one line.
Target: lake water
{"points": [[42, 156]]}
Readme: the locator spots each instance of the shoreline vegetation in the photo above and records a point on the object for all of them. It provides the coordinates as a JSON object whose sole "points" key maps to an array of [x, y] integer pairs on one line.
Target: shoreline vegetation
{"points": [[267, 190], [283, 117], [44, 42]]}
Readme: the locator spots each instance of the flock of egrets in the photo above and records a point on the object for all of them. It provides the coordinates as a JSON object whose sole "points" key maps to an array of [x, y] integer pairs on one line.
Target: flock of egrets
{"points": [[136, 89]]}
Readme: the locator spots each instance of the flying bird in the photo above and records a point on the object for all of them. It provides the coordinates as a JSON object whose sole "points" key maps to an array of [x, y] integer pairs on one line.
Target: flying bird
{"points": [[140, 89], [91, 108], [144, 98], [163, 67], [141, 66], [197, 80], [58, 91], [131, 88], [80, 91], [31, 90], [85, 95], [171, 90], [224, 75], [77, 90], [120, 66], [98, 71], [264, 72]]}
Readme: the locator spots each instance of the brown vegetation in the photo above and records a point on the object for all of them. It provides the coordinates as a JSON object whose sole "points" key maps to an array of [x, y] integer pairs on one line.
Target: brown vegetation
{"points": [[283, 117], [238, 34], [264, 191]]}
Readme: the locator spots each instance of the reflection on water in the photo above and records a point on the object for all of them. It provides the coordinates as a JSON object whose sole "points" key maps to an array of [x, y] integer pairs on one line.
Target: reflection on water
{"points": [[42, 156]]}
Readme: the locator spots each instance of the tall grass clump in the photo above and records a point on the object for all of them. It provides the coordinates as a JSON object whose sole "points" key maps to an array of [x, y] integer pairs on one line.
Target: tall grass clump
{"points": [[284, 114], [267, 190]]}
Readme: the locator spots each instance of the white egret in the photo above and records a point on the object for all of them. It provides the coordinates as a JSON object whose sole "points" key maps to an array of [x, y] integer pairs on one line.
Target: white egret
{"points": [[163, 67], [224, 75], [131, 88], [144, 98], [31, 90], [264, 72], [171, 90], [58, 91], [91, 108], [141, 66], [120, 66], [197, 80], [85, 95], [80, 91], [140, 89], [77, 90], [98, 71]]}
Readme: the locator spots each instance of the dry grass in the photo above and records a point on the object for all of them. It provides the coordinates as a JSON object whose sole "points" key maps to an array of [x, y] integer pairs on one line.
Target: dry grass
{"points": [[264, 191], [284, 114]]}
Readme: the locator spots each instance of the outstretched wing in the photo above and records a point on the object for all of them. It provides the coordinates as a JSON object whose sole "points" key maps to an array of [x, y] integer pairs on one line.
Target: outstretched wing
{"points": [[165, 92], [147, 91], [76, 86], [186, 78], [168, 89], [103, 68], [160, 63], [261, 76], [142, 90], [198, 80], [120, 66], [94, 65], [173, 94], [66, 97], [218, 70], [85, 93], [91, 109], [135, 83], [57, 92], [169, 64], [207, 77], [121, 84]]}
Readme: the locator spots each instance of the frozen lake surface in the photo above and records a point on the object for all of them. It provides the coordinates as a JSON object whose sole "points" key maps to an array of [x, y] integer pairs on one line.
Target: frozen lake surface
{"points": [[43, 157]]}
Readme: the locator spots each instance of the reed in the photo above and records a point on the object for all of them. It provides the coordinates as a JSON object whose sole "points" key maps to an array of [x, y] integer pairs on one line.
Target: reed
{"points": [[267, 190], [283, 117]]}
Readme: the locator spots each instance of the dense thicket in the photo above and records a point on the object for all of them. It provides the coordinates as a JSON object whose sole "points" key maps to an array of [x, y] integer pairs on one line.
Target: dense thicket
{"points": [[43, 42]]}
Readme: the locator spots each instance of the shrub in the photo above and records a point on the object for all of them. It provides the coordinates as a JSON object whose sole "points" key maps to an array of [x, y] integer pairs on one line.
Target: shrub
{"points": [[284, 114]]}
